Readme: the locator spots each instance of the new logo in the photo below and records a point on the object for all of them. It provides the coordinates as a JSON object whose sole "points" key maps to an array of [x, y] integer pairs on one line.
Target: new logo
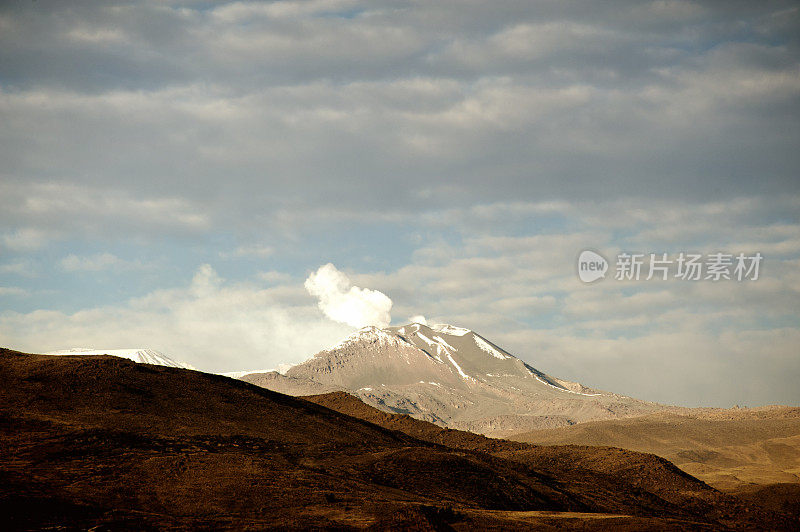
{"points": [[591, 266]]}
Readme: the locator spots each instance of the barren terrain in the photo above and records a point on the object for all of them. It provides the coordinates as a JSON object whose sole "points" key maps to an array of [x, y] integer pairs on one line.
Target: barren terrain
{"points": [[95, 440]]}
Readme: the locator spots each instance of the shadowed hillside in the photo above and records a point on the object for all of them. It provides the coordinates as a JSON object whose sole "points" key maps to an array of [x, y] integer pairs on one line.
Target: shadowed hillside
{"points": [[88, 441], [589, 471]]}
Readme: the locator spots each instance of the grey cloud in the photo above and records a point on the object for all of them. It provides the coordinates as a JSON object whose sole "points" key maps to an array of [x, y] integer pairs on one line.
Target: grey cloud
{"points": [[457, 103], [43, 211]]}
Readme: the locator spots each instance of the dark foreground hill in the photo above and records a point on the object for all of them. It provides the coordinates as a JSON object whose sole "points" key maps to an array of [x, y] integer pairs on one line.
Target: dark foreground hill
{"points": [[104, 442], [589, 470]]}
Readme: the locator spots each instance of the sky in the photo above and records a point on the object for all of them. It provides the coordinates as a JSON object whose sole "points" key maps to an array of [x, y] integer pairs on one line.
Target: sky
{"points": [[242, 184]]}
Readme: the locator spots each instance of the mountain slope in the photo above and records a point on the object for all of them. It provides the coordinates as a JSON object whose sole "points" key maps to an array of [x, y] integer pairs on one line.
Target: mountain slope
{"points": [[726, 448], [588, 467], [449, 376], [108, 439], [88, 441]]}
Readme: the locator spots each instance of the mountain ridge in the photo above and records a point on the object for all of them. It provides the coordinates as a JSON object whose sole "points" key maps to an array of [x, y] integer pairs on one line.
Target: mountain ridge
{"points": [[450, 376]]}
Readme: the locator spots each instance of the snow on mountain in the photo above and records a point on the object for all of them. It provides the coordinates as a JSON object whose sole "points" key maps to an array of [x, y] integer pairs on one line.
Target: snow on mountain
{"points": [[372, 335], [449, 329], [483, 344], [451, 376], [280, 368], [142, 356]]}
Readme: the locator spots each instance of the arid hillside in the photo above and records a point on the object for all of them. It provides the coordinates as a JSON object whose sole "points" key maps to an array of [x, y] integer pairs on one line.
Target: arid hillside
{"points": [[579, 464], [729, 449], [95, 440]]}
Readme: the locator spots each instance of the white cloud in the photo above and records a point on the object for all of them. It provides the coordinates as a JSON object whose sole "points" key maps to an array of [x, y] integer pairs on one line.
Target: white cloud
{"points": [[253, 250], [345, 303], [93, 263], [27, 239], [25, 268], [213, 324], [51, 209], [274, 277], [12, 291], [419, 318]]}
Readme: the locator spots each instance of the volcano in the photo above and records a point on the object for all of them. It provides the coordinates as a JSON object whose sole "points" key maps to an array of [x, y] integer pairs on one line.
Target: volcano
{"points": [[452, 377]]}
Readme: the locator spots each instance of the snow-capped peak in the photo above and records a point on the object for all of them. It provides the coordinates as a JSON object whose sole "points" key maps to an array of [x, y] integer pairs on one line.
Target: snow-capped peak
{"points": [[372, 335], [444, 328], [141, 356]]}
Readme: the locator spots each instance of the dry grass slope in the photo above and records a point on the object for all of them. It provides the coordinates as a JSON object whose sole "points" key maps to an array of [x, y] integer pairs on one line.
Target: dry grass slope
{"points": [[728, 449], [103, 441]]}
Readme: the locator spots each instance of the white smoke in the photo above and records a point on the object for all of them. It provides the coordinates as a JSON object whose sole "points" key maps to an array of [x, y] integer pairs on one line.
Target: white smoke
{"points": [[345, 303], [419, 318]]}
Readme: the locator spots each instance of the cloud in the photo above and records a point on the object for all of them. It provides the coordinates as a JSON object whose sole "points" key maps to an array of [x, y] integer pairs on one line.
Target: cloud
{"points": [[344, 303], [253, 250], [94, 263], [53, 209], [297, 103], [25, 268], [676, 365], [212, 323], [274, 277], [12, 291], [27, 239], [103, 261], [419, 318]]}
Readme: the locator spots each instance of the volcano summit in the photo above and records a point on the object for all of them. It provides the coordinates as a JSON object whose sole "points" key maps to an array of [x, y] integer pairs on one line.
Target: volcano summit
{"points": [[452, 377]]}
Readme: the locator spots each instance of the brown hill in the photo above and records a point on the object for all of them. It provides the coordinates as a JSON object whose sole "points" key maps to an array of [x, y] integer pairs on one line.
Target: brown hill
{"points": [[728, 449], [587, 470], [90, 441]]}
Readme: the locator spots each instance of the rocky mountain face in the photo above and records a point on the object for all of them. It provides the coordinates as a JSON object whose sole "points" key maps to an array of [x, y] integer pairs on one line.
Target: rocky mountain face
{"points": [[452, 377]]}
